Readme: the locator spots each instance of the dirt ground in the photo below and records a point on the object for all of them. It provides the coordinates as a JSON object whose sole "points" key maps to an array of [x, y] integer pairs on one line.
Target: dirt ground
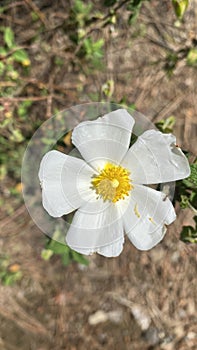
{"points": [[140, 300]]}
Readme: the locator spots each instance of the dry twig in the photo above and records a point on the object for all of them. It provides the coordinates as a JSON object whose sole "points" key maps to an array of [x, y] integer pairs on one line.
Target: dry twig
{"points": [[38, 12]]}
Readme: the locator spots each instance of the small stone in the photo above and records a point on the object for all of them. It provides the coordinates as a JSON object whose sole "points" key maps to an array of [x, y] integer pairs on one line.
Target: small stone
{"points": [[175, 257], [152, 336], [98, 317], [115, 316], [191, 335], [141, 317]]}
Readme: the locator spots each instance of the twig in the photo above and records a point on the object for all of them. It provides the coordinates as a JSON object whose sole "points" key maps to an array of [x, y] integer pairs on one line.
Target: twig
{"points": [[21, 210], [192, 208], [50, 99], [38, 12], [7, 83], [3, 58], [14, 4], [18, 99], [62, 89], [159, 43], [11, 19], [168, 108], [103, 22], [24, 320]]}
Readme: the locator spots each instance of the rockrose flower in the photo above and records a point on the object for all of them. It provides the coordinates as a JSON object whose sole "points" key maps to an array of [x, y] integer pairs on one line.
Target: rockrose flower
{"points": [[108, 189]]}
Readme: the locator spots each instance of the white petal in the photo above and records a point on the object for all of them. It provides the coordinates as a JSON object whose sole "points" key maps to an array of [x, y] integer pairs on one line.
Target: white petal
{"points": [[106, 138], [109, 251], [154, 158], [96, 227], [146, 216], [65, 183], [113, 249]]}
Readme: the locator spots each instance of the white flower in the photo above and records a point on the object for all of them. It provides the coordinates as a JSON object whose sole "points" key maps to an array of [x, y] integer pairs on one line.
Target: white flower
{"points": [[106, 187]]}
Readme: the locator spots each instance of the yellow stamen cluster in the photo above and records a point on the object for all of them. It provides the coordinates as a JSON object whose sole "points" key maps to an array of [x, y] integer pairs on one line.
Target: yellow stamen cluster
{"points": [[112, 183]]}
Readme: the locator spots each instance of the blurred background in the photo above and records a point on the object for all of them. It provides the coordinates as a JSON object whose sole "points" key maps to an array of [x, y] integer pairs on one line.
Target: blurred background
{"points": [[56, 54]]}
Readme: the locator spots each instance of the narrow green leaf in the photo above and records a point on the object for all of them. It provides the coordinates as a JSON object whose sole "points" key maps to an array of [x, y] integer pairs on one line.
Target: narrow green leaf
{"points": [[180, 6], [9, 37], [79, 258], [66, 259], [57, 247]]}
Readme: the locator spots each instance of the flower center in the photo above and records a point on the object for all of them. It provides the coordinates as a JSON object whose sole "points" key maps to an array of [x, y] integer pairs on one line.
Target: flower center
{"points": [[112, 183]]}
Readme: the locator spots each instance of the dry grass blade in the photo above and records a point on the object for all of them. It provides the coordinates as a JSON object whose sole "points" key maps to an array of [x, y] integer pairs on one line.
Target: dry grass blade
{"points": [[10, 309]]}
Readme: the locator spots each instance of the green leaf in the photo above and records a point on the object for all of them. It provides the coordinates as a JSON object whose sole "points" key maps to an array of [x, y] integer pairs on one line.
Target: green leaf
{"points": [[2, 68], [193, 200], [180, 6], [184, 203], [46, 254], [2, 9], [34, 16], [79, 258], [3, 51], [17, 136], [22, 57], [66, 259], [108, 88], [10, 278], [81, 13], [171, 62], [23, 108], [191, 181], [93, 49], [59, 61], [9, 37], [3, 172], [56, 247], [192, 57], [166, 125], [189, 233]]}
